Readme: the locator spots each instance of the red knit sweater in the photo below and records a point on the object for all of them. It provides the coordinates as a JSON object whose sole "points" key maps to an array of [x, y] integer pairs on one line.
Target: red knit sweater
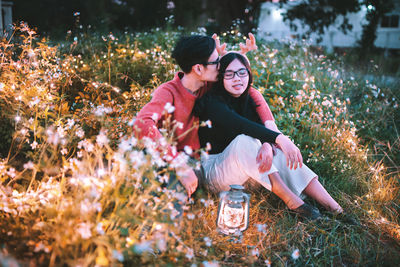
{"points": [[150, 117]]}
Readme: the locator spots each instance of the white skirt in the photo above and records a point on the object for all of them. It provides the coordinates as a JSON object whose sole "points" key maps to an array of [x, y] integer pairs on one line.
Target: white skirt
{"points": [[237, 163]]}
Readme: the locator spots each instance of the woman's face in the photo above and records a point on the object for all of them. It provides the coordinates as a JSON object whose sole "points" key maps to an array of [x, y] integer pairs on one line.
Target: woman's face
{"points": [[236, 85]]}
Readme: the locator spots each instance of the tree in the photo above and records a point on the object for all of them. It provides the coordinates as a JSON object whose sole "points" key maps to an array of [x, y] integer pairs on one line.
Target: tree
{"points": [[320, 14]]}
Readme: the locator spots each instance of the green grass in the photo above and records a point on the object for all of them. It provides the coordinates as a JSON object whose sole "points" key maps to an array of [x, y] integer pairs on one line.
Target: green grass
{"points": [[72, 191]]}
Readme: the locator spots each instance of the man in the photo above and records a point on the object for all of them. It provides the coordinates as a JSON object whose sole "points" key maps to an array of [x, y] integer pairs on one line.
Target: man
{"points": [[198, 57]]}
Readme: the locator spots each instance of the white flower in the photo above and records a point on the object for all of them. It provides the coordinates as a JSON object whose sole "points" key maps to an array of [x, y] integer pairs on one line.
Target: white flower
{"points": [[154, 117], [24, 131], [29, 165], [80, 133], [190, 216], [210, 264], [142, 247], [208, 241], [102, 139], [84, 230], [296, 254], [64, 151], [188, 150], [132, 122], [99, 228], [261, 228], [70, 123], [169, 107], [118, 255], [189, 253], [34, 145], [254, 252], [267, 263]]}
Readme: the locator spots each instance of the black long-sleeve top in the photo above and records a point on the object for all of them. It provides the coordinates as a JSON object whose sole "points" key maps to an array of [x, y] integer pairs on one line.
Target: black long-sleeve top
{"points": [[229, 117]]}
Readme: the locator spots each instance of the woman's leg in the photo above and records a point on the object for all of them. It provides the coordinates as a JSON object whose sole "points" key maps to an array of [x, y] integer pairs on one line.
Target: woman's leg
{"points": [[316, 191], [280, 189], [237, 163]]}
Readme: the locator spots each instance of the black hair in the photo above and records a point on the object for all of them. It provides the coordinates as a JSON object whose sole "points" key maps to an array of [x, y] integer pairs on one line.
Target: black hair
{"points": [[244, 103], [191, 50], [224, 63]]}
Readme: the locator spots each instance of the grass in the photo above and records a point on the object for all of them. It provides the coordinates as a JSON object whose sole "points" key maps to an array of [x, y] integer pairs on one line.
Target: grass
{"points": [[77, 189]]}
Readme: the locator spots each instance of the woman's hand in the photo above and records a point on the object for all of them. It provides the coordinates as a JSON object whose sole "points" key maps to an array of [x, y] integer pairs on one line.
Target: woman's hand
{"points": [[264, 158], [249, 46], [291, 152]]}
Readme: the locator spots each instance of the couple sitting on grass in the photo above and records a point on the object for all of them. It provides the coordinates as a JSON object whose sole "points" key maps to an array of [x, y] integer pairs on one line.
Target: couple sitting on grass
{"points": [[245, 141]]}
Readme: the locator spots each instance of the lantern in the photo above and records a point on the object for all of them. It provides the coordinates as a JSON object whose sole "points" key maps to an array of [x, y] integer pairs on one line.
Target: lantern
{"points": [[233, 211]]}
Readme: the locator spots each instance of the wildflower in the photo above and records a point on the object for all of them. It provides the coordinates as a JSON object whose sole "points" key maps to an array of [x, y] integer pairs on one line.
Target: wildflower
{"points": [[188, 150], [84, 230], [254, 252], [179, 125], [267, 263], [118, 255], [80, 133], [53, 137], [189, 253], [191, 216], [70, 123], [131, 122], [1, 86], [11, 172], [169, 107], [261, 228], [24, 131], [102, 139], [99, 228], [29, 165], [208, 241], [87, 145], [17, 118], [154, 117], [143, 247], [64, 151], [210, 264], [296, 254]]}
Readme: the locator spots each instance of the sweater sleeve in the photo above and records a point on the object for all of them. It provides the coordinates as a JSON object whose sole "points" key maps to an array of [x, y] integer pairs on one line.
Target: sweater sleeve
{"points": [[149, 116], [225, 118], [262, 108]]}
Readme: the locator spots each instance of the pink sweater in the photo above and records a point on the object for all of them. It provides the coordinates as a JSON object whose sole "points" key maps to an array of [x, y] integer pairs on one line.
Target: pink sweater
{"points": [[150, 117]]}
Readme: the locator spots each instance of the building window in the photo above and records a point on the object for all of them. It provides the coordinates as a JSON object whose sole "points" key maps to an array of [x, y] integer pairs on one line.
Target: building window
{"points": [[391, 21]]}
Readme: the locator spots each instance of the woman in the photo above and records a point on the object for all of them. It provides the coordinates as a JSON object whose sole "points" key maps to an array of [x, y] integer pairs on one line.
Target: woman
{"points": [[236, 136]]}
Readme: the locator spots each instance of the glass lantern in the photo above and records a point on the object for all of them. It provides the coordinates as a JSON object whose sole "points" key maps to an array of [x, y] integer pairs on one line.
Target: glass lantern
{"points": [[233, 211]]}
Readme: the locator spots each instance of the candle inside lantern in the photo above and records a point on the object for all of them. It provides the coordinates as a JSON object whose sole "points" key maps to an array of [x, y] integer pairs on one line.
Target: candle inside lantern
{"points": [[233, 211]]}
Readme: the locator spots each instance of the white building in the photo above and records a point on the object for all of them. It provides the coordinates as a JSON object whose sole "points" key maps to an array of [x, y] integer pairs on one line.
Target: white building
{"points": [[5, 16], [272, 27]]}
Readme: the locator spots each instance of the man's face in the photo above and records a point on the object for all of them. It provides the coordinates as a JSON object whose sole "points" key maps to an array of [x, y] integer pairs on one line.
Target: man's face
{"points": [[210, 73]]}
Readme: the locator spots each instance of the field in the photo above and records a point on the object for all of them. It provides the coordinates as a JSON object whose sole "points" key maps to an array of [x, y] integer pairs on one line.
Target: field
{"points": [[77, 189]]}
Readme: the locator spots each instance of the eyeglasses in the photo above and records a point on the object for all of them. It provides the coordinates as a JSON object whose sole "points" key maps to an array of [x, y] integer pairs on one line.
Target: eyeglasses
{"points": [[216, 62], [240, 73]]}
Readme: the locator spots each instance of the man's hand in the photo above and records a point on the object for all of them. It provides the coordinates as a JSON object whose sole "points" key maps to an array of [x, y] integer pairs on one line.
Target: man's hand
{"points": [[291, 152], [221, 49], [249, 46], [188, 179], [264, 158]]}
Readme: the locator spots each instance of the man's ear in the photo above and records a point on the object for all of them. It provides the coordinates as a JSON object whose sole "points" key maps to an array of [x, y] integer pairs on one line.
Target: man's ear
{"points": [[198, 69]]}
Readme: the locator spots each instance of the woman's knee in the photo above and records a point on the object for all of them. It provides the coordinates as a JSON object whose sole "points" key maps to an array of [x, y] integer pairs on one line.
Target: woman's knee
{"points": [[245, 142], [245, 147]]}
